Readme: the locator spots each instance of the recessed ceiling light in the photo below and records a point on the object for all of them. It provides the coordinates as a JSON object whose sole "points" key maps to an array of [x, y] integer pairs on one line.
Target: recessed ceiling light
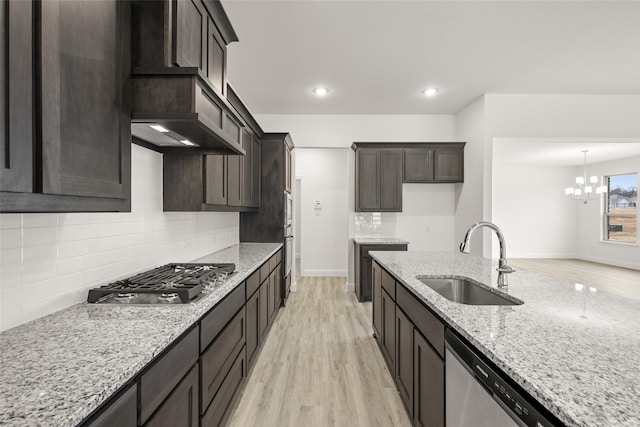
{"points": [[159, 128], [321, 91], [430, 91], [186, 142]]}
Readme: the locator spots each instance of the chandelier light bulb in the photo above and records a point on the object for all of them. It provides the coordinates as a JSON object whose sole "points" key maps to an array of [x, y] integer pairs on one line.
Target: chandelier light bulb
{"points": [[584, 192], [579, 180], [593, 179]]}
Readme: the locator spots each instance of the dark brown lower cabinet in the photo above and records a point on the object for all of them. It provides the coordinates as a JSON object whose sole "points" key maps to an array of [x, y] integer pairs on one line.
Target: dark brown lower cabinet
{"points": [[377, 302], [263, 318], [363, 266], [120, 411], [222, 404], [404, 359], [180, 409], [388, 330], [253, 327], [428, 389]]}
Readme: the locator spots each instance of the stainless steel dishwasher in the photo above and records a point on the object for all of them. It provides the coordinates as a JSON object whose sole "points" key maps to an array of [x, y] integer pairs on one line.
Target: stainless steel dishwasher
{"points": [[476, 396]]}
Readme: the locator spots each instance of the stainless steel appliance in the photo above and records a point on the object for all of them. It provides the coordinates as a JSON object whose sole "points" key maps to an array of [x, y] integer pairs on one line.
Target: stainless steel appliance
{"points": [[170, 284], [476, 395]]}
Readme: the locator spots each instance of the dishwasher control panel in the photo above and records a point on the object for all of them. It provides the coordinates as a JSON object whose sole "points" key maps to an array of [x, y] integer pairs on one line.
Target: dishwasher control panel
{"points": [[517, 403]]}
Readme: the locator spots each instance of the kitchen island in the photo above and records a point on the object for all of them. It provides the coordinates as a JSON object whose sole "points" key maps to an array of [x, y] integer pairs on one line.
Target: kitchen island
{"points": [[58, 369], [574, 349]]}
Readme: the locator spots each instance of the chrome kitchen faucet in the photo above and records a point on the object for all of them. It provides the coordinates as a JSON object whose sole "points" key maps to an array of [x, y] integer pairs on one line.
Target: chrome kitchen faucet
{"points": [[503, 268]]}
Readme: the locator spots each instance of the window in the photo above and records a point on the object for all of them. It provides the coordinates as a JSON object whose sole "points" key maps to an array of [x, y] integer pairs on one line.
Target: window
{"points": [[621, 208]]}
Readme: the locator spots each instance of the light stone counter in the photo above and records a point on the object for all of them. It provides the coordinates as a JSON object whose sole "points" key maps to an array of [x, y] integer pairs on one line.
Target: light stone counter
{"points": [[57, 369], [576, 351], [379, 241]]}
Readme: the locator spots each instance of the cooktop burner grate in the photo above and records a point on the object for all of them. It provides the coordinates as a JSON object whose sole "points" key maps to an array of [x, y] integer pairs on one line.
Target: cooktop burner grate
{"points": [[171, 283]]}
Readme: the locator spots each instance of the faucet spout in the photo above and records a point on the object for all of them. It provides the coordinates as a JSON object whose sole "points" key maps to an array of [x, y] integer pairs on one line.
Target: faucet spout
{"points": [[503, 268]]}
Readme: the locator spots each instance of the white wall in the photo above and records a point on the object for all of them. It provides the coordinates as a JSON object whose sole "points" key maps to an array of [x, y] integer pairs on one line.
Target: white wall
{"points": [[529, 116], [340, 131], [49, 261], [590, 245], [470, 194], [530, 208], [323, 175]]}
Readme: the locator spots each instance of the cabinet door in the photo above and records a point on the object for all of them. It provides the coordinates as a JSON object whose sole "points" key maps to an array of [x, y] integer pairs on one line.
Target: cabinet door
{"points": [[376, 296], [449, 165], [404, 359], [181, 407], [255, 172], [220, 408], [16, 89], [84, 78], [234, 180], [189, 34], [263, 319], [366, 262], [253, 327], [215, 180], [388, 330], [390, 180], [247, 169], [216, 66], [418, 165], [428, 391], [367, 180]]}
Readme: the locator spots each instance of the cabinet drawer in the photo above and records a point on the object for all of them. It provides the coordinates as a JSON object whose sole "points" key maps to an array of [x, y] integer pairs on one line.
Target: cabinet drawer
{"points": [[424, 320], [388, 283], [121, 411], [222, 403], [273, 263], [181, 407], [265, 270], [218, 358], [279, 257], [158, 380], [215, 321], [253, 283]]}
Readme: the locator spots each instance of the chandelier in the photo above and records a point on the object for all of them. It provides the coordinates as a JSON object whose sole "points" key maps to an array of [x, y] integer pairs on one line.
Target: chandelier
{"points": [[584, 191]]}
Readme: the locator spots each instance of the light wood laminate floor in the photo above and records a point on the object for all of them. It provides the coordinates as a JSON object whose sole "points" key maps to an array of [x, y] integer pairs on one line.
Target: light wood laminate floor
{"points": [[320, 366], [617, 280]]}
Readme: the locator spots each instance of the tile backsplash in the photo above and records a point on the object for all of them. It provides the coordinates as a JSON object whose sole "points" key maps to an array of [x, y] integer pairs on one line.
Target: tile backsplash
{"points": [[49, 261]]}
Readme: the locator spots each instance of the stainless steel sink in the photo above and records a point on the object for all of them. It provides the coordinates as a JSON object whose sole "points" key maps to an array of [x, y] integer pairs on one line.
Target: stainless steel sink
{"points": [[465, 291]]}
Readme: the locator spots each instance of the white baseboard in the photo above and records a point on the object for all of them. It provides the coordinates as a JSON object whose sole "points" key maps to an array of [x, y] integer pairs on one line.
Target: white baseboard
{"points": [[350, 287], [324, 273], [609, 261]]}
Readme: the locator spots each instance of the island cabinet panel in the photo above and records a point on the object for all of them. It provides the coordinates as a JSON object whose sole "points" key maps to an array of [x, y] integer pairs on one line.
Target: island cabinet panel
{"points": [[376, 296], [157, 382], [404, 359], [424, 320], [181, 407], [388, 330], [429, 391], [74, 152], [121, 410]]}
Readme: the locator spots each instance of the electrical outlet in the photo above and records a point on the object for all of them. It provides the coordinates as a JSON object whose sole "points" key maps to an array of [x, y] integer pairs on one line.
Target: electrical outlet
{"points": [[188, 243], [427, 228]]}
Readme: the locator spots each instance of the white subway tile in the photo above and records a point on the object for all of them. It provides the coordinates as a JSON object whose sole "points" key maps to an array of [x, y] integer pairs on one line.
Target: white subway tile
{"points": [[39, 254], [72, 232], [69, 266], [10, 221], [10, 258], [10, 318], [10, 298], [39, 236], [10, 238], [39, 220], [10, 278], [37, 273]]}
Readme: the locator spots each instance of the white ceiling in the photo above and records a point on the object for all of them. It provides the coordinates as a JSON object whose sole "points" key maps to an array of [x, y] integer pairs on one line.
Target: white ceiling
{"points": [[376, 56]]}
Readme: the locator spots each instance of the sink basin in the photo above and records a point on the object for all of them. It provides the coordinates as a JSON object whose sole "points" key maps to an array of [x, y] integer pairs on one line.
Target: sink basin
{"points": [[465, 291]]}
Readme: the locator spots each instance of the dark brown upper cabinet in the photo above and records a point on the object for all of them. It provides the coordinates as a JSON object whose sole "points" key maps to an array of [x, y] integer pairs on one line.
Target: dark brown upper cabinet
{"points": [[66, 142], [179, 77], [378, 180], [381, 168], [434, 163]]}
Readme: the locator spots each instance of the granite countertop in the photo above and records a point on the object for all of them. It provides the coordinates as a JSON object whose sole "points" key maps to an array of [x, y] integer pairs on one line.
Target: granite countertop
{"points": [[576, 351], [57, 369], [379, 241]]}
